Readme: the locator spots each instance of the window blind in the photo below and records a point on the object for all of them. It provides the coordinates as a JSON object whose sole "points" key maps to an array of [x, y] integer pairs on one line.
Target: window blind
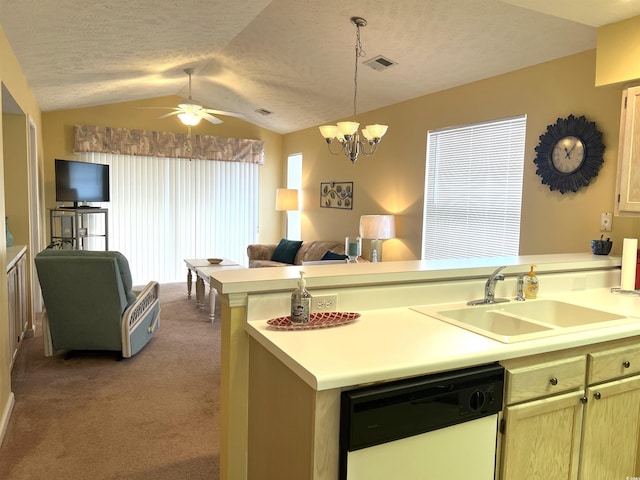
{"points": [[165, 210], [473, 190]]}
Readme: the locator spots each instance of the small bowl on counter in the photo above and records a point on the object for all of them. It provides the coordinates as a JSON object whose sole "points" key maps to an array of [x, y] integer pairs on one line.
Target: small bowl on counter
{"points": [[601, 247]]}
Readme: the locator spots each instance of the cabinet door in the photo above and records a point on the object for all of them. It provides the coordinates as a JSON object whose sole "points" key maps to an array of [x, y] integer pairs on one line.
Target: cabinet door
{"points": [[628, 185], [611, 429], [541, 439]]}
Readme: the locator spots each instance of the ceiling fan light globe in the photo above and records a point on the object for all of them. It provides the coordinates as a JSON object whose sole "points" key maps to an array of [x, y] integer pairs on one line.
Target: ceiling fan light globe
{"points": [[189, 119]]}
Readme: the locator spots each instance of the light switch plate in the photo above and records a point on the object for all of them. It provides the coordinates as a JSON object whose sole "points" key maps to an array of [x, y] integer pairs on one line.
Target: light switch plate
{"points": [[605, 222]]}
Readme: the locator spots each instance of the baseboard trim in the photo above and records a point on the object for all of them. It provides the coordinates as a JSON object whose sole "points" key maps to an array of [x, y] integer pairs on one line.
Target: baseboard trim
{"points": [[6, 416]]}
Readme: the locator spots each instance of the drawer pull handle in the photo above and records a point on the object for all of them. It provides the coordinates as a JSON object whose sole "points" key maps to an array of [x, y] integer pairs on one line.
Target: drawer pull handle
{"points": [[626, 364], [553, 381], [597, 395]]}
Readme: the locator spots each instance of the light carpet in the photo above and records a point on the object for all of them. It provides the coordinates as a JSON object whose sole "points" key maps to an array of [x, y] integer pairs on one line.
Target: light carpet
{"points": [[153, 416]]}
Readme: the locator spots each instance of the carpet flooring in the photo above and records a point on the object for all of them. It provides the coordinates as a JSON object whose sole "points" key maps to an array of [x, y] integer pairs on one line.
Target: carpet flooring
{"points": [[153, 416]]}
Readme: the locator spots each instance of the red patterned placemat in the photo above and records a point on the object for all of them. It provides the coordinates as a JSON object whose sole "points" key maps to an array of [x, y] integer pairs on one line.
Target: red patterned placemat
{"points": [[317, 320]]}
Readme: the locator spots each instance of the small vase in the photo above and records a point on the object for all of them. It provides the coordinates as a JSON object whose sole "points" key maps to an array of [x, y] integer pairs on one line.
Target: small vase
{"points": [[9, 236], [353, 248]]}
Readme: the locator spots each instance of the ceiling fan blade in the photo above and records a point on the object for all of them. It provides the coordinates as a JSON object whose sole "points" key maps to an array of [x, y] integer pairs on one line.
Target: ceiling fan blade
{"points": [[156, 108], [222, 112], [170, 114], [210, 118]]}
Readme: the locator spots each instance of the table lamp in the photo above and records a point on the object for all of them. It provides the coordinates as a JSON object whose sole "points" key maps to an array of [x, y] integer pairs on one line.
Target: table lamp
{"points": [[286, 199], [377, 228]]}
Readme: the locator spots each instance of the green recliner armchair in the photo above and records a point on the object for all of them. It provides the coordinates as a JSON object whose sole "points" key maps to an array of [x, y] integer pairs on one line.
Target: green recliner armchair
{"points": [[90, 305]]}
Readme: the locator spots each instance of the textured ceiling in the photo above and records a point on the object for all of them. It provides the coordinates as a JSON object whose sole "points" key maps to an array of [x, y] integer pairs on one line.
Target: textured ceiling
{"points": [[291, 57]]}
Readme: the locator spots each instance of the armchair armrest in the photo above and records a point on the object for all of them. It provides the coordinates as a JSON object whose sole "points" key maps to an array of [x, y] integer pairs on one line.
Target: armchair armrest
{"points": [[137, 314]]}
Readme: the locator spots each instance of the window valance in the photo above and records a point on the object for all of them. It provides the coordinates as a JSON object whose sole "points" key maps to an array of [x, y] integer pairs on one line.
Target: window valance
{"points": [[145, 143]]}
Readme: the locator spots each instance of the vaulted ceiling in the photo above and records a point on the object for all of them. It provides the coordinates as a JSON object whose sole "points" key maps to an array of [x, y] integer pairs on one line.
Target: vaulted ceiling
{"points": [[294, 58]]}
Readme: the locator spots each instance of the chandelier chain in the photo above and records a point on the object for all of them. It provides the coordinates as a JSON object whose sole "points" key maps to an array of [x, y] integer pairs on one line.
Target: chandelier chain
{"points": [[359, 53]]}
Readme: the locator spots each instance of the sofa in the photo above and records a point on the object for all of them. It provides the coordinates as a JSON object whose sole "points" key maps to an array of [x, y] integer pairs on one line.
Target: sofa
{"points": [[262, 254]]}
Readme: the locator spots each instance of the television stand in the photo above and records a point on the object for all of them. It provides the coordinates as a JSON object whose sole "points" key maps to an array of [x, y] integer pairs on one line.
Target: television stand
{"points": [[79, 228]]}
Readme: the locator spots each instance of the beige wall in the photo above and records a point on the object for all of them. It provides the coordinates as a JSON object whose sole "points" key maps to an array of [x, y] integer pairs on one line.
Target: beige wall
{"points": [[618, 52], [12, 171], [391, 181], [58, 143]]}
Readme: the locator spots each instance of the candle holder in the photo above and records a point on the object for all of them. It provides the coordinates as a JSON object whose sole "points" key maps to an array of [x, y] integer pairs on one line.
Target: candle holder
{"points": [[353, 248]]}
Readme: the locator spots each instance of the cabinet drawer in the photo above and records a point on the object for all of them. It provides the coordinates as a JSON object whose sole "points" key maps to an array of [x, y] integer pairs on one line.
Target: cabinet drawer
{"points": [[614, 363], [542, 379]]}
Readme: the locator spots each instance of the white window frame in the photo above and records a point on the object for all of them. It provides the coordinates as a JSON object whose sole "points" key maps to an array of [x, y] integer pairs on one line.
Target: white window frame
{"points": [[473, 190]]}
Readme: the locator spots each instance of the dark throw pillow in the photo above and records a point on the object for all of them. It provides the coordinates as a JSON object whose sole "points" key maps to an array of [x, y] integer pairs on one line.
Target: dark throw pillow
{"points": [[333, 256], [286, 251]]}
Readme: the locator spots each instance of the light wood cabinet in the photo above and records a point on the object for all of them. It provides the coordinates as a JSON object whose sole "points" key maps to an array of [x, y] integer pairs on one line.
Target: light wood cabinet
{"points": [[17, 302], [628, 183], [556, 425], [542, 438], [610, 437]]}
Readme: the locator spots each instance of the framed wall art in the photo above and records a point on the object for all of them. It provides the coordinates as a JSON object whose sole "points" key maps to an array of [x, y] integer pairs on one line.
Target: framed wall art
{"points": [[336, 195]]}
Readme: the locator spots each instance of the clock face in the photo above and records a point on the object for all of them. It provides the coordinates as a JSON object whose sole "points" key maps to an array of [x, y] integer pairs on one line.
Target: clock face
{"points": [[568, 154]]}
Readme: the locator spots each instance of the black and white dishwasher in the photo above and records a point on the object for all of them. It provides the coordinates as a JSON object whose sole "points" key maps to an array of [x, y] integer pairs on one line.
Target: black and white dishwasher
{"points": [[439, 427]]}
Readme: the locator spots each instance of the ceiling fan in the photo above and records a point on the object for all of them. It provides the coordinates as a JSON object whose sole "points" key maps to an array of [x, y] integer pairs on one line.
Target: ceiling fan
{"points": [[191, 113]]}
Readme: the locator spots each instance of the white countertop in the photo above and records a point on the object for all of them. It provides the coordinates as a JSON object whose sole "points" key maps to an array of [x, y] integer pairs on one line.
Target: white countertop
{"points": [[273, 279], [399, 342]]}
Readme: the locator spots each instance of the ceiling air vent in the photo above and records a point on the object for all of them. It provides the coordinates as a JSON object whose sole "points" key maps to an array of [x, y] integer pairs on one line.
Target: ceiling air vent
{"points": [[264, 112], [380, 63]]}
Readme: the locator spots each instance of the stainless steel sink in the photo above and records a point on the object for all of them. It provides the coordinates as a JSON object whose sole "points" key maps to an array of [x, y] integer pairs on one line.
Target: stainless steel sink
{"points": [[516, 322]]}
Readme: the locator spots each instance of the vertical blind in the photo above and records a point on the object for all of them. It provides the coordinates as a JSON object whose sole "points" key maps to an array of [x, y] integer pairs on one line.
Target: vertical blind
{"points": [[473, 190], [165, 210]]}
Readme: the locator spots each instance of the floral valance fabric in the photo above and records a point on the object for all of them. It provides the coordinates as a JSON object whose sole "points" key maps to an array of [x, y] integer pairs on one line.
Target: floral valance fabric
{"points": [[166, 144]]}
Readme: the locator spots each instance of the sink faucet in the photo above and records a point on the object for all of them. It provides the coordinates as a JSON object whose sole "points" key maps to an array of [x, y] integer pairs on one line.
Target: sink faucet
{"points": [[489, 289]]}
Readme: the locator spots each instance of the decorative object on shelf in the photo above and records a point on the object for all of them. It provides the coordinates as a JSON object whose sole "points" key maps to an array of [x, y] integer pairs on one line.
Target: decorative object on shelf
{"points": [[336, 195], [347, 132], [8, 233], [377, 228], [569, 154], [353, 248]]}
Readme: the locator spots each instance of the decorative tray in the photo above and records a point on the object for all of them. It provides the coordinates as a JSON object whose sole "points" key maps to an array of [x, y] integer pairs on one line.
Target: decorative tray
{"points": [[316, 320]]}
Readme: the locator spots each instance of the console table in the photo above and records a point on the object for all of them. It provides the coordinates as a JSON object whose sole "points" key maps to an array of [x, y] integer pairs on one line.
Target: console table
{"points": [[203, 270]]}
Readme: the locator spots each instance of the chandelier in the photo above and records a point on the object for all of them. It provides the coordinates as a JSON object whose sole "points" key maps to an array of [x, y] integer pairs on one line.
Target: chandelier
{"points": [[347, 132]]}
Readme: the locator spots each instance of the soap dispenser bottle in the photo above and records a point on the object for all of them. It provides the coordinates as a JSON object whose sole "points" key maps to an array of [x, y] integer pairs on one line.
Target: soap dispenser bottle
{"points": [[301, 302], [531, 284]]}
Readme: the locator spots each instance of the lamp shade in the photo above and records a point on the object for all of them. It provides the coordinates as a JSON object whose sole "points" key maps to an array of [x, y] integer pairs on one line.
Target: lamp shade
{"points": [[378, 227], [286, 199]]}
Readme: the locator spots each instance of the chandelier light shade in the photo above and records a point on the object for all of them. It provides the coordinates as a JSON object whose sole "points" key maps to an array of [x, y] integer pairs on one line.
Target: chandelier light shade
{"points": [[346, 133], [377, 228], [286, 199]]}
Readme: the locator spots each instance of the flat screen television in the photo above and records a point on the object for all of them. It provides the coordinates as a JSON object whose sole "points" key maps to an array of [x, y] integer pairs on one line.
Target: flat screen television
{"points": [[81, 182]]}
